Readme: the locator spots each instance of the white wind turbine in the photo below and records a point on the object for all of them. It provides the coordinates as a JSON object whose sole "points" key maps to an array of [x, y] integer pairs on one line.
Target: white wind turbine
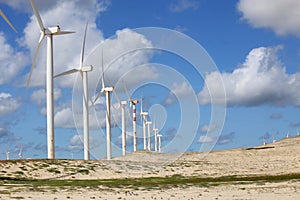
{"points": [[149, 134], [49, 33], [20, 152], [132, 102], [7, 21], [107, 91], [122, 105], [7, 155], [83, 70], [155, 130], [144, 118], [159, 136]]}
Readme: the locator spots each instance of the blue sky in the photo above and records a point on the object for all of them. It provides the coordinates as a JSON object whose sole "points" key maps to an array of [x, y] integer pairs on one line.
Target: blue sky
{"points": [[254, 44]]}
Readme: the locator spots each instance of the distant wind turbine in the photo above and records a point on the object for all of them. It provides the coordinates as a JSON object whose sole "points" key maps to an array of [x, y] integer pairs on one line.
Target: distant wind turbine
{"points": [[49, 33], [20, 152], [155, 130], [132, 103], [7, 21], [144, 118], [159, 142], [149, 135], [107, 91], [7, 155], [83, 70]]}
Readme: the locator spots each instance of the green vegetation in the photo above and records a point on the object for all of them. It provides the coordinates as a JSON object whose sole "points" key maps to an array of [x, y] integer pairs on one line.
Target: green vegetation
{"points": [[152, 182]]}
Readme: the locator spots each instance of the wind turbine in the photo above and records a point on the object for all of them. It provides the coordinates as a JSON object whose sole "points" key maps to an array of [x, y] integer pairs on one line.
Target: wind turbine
{"points": [[49, 33], [20, 153], [122, 105], [155, 130], [7, 155], [159, 142], [144, 118], [107, 91], [149, 135], [83, 70], [7, 21], [133, 103]]}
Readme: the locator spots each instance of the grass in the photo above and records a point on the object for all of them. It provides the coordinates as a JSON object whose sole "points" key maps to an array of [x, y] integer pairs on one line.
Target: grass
{"points": [[151, 182]]}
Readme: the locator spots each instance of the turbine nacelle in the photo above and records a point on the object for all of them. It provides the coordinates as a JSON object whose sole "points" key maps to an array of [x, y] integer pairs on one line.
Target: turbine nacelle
{"points": [[124, 102], [87, 68], [52, 30], [107, 89]]}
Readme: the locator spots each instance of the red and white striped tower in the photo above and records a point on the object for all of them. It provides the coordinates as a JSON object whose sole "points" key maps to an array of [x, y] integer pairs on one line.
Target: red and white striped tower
{"points": [[133, 103]]}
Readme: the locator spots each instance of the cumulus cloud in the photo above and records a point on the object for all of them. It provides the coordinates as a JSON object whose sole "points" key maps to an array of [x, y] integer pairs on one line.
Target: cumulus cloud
{"points": [[208, 128], [8, 104], [12, 62], [178, 90], [76, 143], [261, 79], [281, 16], [223, 139], [39, 96], [182, 5]]}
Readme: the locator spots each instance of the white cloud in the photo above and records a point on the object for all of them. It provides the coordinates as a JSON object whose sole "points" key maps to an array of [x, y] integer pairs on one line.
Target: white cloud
{"points": [[11, 62], [208, 128], [76, 143], [64, 118], [182, 5], [261, 79], [281, 16], [8, 104], [206, 139], [222, 139], [178, 90], [39, 96]]}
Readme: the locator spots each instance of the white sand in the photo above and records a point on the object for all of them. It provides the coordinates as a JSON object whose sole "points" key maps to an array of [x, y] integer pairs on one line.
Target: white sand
{"points": [[280, 158]]}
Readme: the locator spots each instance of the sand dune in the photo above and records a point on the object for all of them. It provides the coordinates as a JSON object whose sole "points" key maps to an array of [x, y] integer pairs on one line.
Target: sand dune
{"points": [[270, 160]]}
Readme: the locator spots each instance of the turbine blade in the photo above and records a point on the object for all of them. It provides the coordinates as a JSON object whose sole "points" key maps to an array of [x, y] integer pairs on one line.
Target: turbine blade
{"points": [[37, 15], [126, 90], [83, 46], [67, 72], [116, 96], [97, 97], [34, 61], [102, 71], [7, 21], [63, 32]]}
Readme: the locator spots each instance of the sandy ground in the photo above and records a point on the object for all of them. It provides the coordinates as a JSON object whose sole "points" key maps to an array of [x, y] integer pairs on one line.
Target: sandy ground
{"points": [[280, 158]]}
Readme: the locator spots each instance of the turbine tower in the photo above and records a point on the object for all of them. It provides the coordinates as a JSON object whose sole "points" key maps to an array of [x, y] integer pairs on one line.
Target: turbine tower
{"points": [[49, 33], [123, 104], [7, 21], [7, 155], [149, 135], [155, 130], [84, 75], [144, 118], [107, 91], [20, 153], [133, 103], [159, 142]]}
